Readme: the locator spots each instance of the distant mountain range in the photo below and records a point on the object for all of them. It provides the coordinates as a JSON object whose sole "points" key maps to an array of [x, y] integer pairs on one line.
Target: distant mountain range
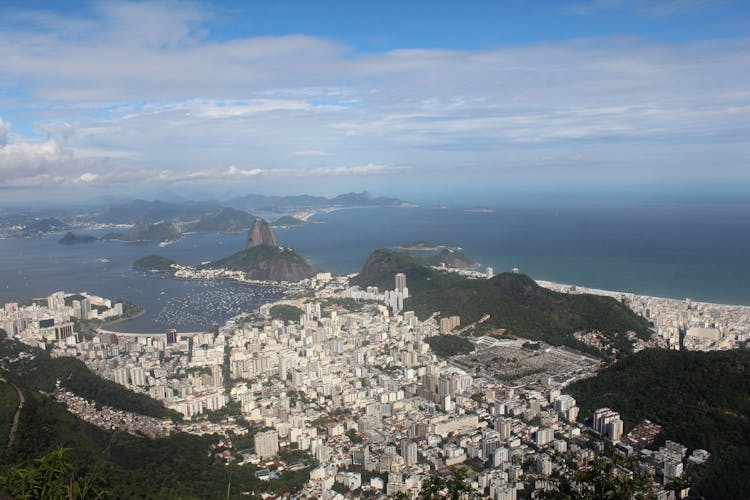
{"points": [[226, 220], [229, 215], [301, 202]]}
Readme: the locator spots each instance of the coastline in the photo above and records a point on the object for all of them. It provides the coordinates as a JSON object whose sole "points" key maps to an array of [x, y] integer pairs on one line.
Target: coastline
{"points": [[566, 288]]}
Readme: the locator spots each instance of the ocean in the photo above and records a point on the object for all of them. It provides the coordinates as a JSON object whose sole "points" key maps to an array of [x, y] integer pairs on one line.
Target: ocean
{"points": [[670, 250]]}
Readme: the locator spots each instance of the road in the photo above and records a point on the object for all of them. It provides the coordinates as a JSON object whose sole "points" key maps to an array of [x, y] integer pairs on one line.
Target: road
{"points": [[16, 417]]}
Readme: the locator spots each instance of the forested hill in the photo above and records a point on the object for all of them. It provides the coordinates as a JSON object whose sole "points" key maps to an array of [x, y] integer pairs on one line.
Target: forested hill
{"points": [[701, 399], [514, 302]]}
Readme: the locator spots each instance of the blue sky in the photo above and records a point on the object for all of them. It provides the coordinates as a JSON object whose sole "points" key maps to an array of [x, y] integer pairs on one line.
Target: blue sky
{"points": [[415, 99]]}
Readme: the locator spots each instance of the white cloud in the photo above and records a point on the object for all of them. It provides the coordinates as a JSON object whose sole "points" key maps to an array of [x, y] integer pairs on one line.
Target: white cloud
{"points": [[233, 170], [4, 131], [310, 152], [144, 92], [32, 163]]}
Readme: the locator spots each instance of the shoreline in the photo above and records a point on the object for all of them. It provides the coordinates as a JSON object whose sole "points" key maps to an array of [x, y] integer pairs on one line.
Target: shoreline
{"points": [[551, 285]]}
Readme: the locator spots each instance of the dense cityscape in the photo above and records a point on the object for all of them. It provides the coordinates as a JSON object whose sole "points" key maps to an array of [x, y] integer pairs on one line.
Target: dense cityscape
{"points": [[348, 377]]}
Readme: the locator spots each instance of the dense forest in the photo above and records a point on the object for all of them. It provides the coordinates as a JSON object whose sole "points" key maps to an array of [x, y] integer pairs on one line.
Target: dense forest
{"points": [[701, 399]]}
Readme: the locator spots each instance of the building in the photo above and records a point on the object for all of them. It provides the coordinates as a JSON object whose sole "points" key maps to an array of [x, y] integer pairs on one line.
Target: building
{"points": [[267, 444], [400, 282], [409, 452]]}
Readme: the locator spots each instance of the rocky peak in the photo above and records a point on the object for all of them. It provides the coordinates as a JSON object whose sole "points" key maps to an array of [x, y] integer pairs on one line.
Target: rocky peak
{"points": [[260, 234]]}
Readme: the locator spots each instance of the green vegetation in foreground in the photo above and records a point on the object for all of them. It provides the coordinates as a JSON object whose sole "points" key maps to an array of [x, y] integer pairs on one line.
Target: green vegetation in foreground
{"points": [[8, 405], [701, 399], [289, 221], [516, 303], [42, 372], [154, 262], [226, 220], [449, 345], [266, 262], [73, 239], [286, 312], [118, 465]]}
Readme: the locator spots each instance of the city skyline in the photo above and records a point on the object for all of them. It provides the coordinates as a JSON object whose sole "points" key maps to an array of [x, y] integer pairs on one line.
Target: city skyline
{"points": [[215, 98]]}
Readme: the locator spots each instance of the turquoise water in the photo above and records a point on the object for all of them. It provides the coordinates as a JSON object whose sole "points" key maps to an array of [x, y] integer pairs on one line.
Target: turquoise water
{"points": [[696, 251]]}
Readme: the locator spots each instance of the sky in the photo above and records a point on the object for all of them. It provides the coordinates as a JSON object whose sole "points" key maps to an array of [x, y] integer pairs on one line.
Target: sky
{"points": [[423, 99]]}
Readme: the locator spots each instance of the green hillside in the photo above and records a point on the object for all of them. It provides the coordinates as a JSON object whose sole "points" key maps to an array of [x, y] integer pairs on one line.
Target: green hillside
{"points": [[516, 303], [701, 399], [452, 258], [42, 372], [383, 264], [226, 220], [266, 262], [120, 465]]}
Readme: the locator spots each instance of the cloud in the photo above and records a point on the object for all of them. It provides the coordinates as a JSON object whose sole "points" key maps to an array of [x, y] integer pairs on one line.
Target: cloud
{"points": [[147, 93], [60, 130], [310, 152], [233, 171], [30, 163]]}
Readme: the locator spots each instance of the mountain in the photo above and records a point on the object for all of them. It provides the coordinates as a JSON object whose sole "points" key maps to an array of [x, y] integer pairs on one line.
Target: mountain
{"points": [[699, 398], [260, 234], [159, 232], [514, 302], [289, 203], [381, 266], [226, 220], [517, 304], [288, 221], [73, 239], [153, 211], [155, 263], [453, 259], [43, 226], [266, 263]]}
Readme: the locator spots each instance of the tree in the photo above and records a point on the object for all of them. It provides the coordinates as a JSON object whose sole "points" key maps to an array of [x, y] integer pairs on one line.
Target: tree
{"points": [[50, 477], [456, 487]]}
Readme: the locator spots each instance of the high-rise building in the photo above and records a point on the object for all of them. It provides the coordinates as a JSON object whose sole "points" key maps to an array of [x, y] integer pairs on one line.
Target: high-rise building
{"points": [[266, 444], [400, 282], [503, 426], [409, 452], [85, 309]]}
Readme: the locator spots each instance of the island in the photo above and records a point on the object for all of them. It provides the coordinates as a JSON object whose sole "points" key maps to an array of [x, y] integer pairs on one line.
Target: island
{"points": [[154, 263], [288, 221], [71, 238]]}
